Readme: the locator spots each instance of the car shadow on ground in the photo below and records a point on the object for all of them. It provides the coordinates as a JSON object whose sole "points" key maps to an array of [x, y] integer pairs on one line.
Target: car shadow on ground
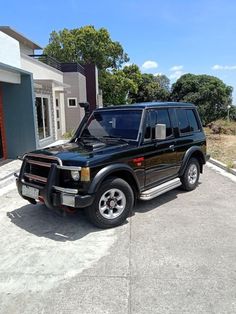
{"points": [[157, 202], [43, 222], [145, 206]]}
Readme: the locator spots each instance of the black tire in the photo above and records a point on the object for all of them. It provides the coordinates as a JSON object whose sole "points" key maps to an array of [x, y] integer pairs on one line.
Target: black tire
{"points": [[190, 182], [117, 198]]}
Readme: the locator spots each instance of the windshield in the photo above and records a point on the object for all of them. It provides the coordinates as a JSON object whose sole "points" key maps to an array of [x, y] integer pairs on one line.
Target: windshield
{"points": [[113, 123]]}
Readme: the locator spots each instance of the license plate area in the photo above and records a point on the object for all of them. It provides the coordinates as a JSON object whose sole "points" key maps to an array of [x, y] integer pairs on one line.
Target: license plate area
{"points": [[30, 192], [68, 200]]}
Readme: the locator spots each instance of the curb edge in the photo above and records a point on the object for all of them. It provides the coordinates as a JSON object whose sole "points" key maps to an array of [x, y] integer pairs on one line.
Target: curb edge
{"points": [[222, 166]]}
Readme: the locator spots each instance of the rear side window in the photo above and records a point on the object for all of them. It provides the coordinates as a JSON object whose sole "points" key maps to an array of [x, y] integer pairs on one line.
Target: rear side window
{"points": [[187, 121], [184, 126], [194, 126]]}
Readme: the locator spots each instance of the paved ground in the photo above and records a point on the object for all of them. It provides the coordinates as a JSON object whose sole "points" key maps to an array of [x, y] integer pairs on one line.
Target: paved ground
{"points": [[176, 254]]}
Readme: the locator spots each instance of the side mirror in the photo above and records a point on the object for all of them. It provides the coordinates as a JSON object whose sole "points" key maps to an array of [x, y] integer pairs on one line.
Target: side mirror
{"points": [[160, 132]]}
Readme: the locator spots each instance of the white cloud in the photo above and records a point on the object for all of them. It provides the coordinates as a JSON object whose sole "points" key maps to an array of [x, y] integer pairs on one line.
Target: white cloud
{"points": [[176, 68], [223, 67], [158, 74], [150, 64], [127, 64], [175, 75], [176, 72]]}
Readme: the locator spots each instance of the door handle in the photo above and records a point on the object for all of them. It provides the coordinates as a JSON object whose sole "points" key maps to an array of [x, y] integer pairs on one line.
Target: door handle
{"points": [[172, 147]]}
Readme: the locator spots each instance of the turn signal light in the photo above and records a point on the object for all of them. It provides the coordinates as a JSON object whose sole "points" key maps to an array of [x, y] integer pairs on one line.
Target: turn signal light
{"points": [[85, 174]]}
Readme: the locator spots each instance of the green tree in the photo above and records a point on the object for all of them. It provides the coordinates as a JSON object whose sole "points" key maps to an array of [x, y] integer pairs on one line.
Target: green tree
{"points": [[90, 45], [86, 45], [208, 93], [116, 87], [153, 88], [163, 81], [133, 73]]}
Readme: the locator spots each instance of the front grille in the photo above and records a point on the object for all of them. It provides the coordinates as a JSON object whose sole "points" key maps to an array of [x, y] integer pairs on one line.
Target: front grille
{"points": [[37, 168]]}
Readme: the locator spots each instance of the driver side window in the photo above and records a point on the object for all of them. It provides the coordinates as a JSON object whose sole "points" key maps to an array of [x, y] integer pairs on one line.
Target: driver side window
{"points": [[157, 116], [150, 125]]}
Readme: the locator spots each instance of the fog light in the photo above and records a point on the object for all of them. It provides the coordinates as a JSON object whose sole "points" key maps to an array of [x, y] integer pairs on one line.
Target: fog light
{"points": [[75, 175]]}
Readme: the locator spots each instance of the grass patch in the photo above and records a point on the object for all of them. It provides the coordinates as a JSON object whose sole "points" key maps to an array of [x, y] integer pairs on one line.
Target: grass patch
{"points": [[68, 135]]}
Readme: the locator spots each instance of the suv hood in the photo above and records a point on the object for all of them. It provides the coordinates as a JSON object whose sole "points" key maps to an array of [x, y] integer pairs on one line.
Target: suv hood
{"points": [[78, 154]]}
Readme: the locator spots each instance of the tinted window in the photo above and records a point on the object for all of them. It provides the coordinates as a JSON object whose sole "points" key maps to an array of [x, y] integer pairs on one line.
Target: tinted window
{"points": [[163, 118], [192, 121], [158, 116], [183, 121]]}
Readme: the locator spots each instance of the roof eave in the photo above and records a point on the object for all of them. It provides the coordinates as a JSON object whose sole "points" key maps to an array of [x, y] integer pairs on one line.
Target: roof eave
{"points": [[20, 37]]}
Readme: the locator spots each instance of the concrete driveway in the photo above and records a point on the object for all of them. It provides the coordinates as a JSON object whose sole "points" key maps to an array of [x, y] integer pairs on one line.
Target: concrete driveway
{"points": [[176, 254]]}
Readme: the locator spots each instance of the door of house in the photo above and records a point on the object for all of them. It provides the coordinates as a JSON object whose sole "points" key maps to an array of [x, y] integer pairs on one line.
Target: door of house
{"points": [[58, 118]]}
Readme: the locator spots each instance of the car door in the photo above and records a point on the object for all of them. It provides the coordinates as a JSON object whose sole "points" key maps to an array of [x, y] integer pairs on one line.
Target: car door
{"points": [[160, 155], [189, 132]]}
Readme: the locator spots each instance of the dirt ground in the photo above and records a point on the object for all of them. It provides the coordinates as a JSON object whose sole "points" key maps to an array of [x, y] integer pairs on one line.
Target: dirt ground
{"points": [[222, 147]]}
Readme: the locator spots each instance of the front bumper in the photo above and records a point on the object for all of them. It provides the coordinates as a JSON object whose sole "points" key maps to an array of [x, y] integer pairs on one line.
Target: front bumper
{"points": [[52, 195]]}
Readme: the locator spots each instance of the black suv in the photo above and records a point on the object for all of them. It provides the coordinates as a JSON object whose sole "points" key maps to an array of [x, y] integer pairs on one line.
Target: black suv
{"points": [[118, 155]]}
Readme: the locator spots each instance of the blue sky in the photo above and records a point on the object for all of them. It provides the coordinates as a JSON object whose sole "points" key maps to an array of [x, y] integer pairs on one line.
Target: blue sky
{"points": [[178, 36]]}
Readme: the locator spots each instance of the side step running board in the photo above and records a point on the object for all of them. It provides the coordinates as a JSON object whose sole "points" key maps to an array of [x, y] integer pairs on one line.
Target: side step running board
{"points": [[160, 189]]}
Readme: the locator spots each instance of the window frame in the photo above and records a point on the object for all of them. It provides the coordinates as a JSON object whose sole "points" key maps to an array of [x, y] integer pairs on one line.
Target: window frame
{"points": [[42, 96], [137, 139], [196, 117], [149, 140], [68, 102]]}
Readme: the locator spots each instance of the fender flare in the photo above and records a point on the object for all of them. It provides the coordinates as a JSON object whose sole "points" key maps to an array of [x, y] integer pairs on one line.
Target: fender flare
{"points": [[108, 170], [188, 155]]}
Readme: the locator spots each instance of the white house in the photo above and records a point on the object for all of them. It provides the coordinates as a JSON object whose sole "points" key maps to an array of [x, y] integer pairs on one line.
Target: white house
{"points": [[17, 113], [57, 87]]}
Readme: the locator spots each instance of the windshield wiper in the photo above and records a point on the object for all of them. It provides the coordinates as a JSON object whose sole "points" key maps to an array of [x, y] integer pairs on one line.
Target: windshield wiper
{"points": [[83, 140], [110, 137], [101, 138], [87, 137]]}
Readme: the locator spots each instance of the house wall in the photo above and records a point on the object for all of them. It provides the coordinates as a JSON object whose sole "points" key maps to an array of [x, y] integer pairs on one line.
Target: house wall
{"points": [[40, 70], [19, 116], [10, 77], [77, 89], [26, 50], [3, 142], [10, 55]]}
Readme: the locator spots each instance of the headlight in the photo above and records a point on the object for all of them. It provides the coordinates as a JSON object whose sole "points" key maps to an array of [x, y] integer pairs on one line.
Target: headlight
{"points": [[75, 175]]}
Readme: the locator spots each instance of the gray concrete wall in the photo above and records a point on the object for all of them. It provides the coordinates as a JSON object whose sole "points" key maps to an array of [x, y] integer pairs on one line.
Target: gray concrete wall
{"points": [[26, 50], [19, 113], [77, 90]]}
